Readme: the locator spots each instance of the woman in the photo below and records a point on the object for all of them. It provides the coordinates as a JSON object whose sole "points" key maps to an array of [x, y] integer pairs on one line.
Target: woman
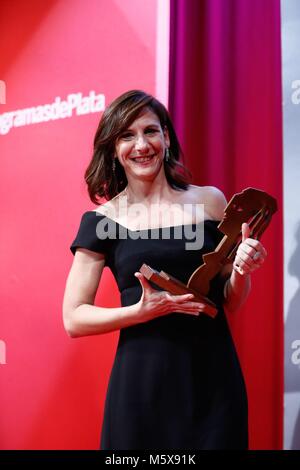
{"points": [[176, 382]]}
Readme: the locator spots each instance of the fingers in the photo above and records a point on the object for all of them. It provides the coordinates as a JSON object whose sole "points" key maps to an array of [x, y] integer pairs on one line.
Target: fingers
{"points": [[154, 303], [184, 299], [181, 304], [249, 257], [255, 244], [180, 298], [243, 260], [251, 242], [190, 309], [245, 231], [250, 254], [143, 281]]}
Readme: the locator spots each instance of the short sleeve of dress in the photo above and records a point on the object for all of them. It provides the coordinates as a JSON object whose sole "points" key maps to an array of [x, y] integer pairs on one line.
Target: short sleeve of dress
{"points": [[88, 234]]}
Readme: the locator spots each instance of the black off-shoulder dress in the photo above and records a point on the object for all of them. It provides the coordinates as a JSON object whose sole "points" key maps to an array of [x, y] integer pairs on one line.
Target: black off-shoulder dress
{"points": [[176, 382]]}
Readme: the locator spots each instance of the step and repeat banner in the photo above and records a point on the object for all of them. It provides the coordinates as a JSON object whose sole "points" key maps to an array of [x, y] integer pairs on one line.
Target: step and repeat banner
{"points": [[61, 63]]}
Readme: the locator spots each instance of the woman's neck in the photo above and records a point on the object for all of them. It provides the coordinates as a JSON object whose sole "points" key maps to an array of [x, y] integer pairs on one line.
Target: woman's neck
{"points": [[148, 192]]}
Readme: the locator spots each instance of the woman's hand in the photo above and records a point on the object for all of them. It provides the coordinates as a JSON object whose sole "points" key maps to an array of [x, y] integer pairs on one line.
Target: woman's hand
{"points": [[250, 254], [154, 303]]}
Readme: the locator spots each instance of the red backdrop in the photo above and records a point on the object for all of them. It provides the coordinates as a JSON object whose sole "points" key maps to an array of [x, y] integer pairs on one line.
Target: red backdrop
{"points": [[52, 387]]}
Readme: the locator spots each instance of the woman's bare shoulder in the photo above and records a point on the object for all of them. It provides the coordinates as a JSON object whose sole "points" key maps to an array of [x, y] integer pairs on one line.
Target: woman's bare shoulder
{"points": [[213, 199], [207, 192]]}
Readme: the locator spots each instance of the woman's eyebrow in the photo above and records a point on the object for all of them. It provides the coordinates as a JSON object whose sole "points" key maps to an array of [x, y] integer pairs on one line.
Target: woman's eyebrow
{"points": [[154, 125]]}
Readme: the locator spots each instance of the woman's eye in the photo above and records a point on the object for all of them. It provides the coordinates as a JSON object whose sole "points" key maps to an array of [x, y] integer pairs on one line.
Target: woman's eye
{"points": [[126, 136], [130, 135]]}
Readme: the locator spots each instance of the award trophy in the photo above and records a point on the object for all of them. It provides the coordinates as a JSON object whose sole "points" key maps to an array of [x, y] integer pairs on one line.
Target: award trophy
{"points": [[252, 206]]}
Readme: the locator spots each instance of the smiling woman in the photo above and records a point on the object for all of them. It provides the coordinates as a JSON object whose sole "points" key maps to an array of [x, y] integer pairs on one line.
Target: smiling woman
{"points": [[143, 147], [176, 382], [121, 137]]}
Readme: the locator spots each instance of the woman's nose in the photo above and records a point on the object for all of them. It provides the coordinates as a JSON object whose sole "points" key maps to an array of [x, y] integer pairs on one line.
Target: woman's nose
{"points": [[141, 143]]}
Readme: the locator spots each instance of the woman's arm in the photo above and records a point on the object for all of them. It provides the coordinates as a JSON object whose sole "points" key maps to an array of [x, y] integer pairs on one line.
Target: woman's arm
{"points": [[82, 318], [236, 290], [249, 257]]}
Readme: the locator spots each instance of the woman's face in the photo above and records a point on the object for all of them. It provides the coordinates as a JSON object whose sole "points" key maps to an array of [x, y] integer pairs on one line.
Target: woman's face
{"points": [[141, 148]]}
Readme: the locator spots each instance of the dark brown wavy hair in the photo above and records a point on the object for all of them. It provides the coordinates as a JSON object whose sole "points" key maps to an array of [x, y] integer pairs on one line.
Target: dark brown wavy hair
{"points": [[117, 117]]}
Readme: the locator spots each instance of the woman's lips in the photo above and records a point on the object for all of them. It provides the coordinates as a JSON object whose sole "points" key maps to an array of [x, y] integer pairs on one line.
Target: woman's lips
{"points": [[143, 160]]}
